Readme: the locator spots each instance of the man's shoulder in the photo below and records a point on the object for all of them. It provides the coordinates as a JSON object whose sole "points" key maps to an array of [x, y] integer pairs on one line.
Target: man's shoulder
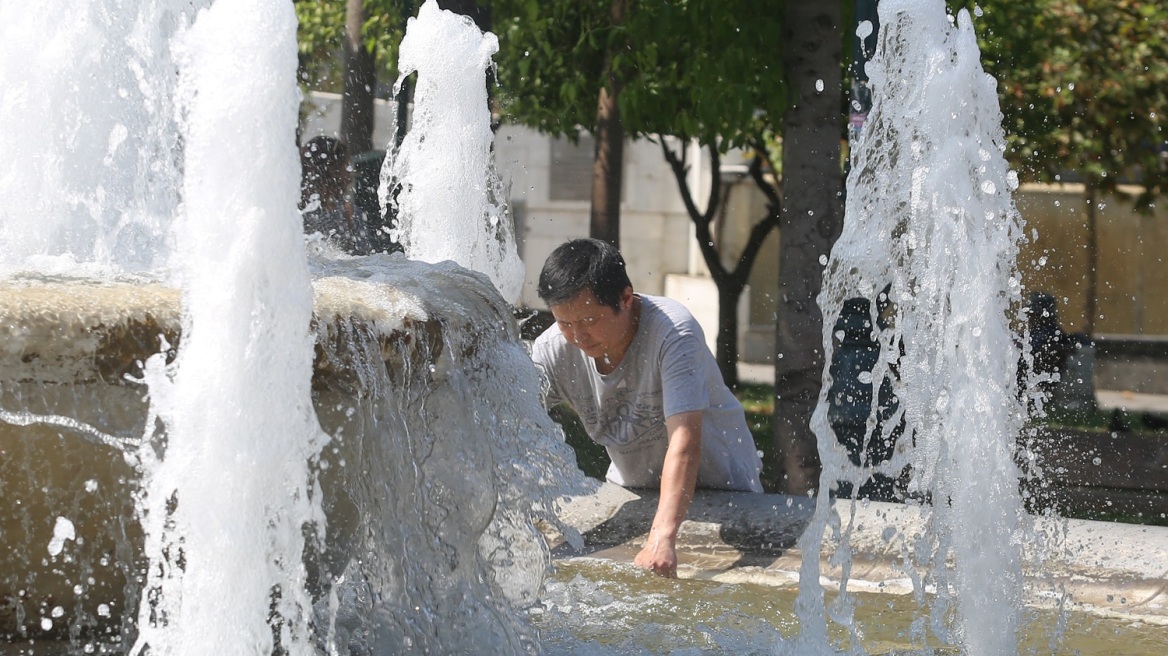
{"points": [[669, 314], [549, 344]]}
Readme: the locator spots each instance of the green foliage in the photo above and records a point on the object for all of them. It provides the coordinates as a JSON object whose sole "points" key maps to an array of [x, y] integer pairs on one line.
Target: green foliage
{"points": [[1083, 86], [321, 35], [704, 69]]}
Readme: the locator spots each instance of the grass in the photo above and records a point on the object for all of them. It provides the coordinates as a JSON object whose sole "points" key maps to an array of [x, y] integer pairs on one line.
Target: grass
{"points": [[1106, 420]]}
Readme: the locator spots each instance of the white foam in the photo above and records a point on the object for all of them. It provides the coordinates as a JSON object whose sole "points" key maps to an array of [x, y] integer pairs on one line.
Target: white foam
{"points": [[231, 487], [929, 215], [450, 204]]}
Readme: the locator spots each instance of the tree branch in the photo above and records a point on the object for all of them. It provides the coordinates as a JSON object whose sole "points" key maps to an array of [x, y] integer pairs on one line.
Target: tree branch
{"points": [[770, 191], [701, 220], [760, 230]]}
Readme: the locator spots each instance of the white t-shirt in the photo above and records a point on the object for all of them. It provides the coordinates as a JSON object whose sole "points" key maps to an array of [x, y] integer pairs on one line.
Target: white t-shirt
{"points": [[666, 371]]}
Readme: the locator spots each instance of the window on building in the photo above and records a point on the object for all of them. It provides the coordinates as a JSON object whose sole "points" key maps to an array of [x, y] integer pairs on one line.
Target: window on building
{"points": [[571, 169]]}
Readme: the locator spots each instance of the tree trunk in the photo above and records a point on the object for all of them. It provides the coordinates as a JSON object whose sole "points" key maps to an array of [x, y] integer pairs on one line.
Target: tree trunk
{"points": [[604, 221], [726, 344], [359, 80], [812, 216]]}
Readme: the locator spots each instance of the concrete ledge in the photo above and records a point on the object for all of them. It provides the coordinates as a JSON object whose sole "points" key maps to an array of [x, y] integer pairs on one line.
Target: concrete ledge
{"points": [[733, 537], [73, 418]]}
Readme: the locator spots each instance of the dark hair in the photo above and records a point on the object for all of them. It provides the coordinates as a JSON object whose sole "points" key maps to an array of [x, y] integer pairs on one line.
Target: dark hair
{"points": [[584, 264]]}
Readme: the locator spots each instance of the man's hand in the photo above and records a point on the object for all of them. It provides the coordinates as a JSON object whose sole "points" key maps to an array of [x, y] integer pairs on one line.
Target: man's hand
{"points": [[659, 555]]}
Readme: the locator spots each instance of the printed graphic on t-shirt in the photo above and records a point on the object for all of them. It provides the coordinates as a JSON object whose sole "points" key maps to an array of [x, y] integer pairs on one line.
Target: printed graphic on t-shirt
{"points": [[626, 418]]}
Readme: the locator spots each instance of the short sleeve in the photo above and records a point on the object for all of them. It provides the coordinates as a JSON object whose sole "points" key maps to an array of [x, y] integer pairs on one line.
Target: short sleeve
{"points": [[683, 374], [544, 359]]}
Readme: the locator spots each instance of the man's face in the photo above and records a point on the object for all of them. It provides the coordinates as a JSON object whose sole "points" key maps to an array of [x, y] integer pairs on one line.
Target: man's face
{"points": [[596, 329]]}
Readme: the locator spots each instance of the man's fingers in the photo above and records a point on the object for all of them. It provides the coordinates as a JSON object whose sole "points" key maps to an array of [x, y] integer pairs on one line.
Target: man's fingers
{"points": [[667, 570]]}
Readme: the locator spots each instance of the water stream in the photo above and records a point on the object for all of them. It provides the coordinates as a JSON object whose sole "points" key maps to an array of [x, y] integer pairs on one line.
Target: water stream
{"points": [[930, 241], [326, 454]]}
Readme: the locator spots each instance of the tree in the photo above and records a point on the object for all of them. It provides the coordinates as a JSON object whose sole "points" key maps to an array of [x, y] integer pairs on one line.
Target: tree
{"points": [[700, 70], [608, 162], [718, 81], [1083, 86], [322, 33], [730, 282], [563, 67], [360, 78], [812, 217]]}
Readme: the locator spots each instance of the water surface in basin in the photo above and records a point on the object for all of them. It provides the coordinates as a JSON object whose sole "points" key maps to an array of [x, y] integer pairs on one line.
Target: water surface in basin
{"points": [[600, 608]]}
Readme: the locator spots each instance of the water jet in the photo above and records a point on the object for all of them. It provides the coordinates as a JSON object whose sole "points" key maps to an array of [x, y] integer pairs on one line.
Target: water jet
{"points": [[412, 494]]}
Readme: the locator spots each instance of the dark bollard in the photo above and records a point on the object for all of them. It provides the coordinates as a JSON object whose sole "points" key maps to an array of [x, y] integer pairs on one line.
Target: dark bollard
{"points": [[856, 353]]}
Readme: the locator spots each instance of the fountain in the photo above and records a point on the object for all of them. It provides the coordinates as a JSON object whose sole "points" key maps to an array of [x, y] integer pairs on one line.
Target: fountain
{"points": [[225, 445], [346, 455], [929, 245], [931, 231]]}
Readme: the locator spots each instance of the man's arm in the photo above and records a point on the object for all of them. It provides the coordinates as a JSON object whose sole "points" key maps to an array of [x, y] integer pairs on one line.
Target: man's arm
{"points": [[679, 477]]}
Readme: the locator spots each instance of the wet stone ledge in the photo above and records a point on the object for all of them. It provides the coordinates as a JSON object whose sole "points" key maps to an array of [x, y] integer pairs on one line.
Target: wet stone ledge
{"points": [[71, 354], [1111, 569]]}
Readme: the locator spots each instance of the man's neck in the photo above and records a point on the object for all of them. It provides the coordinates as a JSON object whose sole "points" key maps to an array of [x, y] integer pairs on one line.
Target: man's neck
{"points": [[608, 362]]}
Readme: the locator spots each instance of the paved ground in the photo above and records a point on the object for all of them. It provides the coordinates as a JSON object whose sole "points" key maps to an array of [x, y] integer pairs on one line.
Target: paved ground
{"points": [[1104, 398], [1131, 401]]}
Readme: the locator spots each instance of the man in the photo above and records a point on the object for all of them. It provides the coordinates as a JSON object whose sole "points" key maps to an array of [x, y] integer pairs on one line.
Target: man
{"points": [[637, 371]]}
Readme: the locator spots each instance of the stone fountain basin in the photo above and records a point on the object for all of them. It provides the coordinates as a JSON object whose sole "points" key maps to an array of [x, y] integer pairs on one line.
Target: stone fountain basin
{"points": [[71, 351], [1117, 570]]}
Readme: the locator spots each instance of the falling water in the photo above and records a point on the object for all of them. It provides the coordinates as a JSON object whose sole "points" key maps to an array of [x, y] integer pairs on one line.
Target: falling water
{"points": [[930, 238], [377, 499], [90, 133], [441, 183], [228, 489]]}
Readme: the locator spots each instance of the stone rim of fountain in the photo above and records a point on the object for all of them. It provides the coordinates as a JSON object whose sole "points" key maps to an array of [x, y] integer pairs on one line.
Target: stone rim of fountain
{"points": [[1105, 569]]}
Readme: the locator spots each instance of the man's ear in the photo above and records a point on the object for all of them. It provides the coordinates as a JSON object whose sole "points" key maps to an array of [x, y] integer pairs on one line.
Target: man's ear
{"points": [[626, 298]]}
